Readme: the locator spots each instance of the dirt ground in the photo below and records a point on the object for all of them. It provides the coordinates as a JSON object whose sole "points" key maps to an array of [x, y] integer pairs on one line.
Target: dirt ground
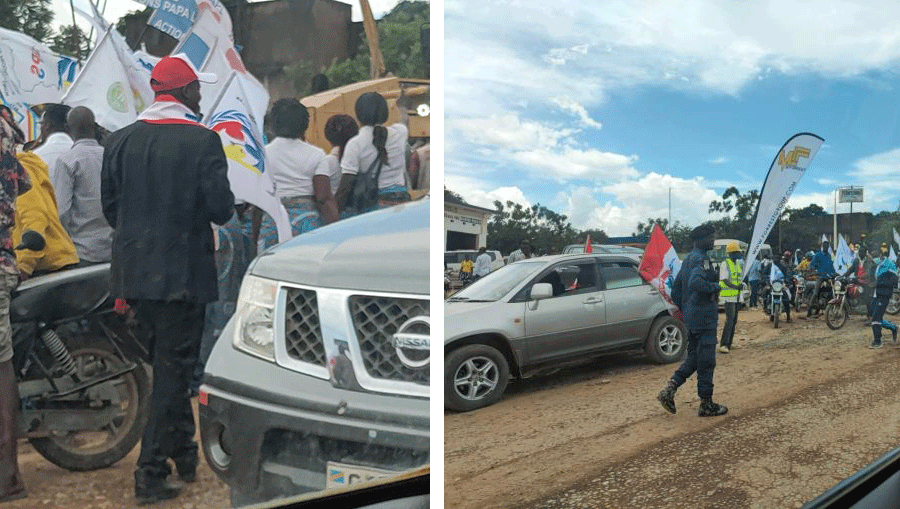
{"points": [[51, 487], [808, 407]]}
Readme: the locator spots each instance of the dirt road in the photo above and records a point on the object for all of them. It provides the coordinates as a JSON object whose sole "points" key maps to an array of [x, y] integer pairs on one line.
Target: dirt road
{"points": [[50, 487], [808, 407]]}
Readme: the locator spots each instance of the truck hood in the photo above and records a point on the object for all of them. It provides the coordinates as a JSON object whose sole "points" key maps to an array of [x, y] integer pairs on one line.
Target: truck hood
{"points": [[382, 251]]}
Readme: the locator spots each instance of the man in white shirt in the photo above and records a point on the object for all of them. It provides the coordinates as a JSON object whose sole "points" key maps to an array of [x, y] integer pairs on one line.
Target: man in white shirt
{"points": [[55, 134], [482, 263]]}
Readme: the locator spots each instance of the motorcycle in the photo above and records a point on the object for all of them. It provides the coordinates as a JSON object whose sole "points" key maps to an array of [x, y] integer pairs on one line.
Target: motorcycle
{"points": [[826, 293], [799, 282], [81, 367], [848, 299], [775, 300], [894, 304]]}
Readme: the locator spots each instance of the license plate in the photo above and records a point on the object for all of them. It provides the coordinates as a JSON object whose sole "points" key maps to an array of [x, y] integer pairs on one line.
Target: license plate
{"points": [[340, 475]]}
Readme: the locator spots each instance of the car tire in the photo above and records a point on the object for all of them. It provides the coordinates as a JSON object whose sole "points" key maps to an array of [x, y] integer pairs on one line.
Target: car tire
{"points": [[484, 362], [667, 341]]}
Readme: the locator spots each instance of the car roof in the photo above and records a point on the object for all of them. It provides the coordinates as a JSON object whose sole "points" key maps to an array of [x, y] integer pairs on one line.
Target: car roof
{"points": [[606, 257]]}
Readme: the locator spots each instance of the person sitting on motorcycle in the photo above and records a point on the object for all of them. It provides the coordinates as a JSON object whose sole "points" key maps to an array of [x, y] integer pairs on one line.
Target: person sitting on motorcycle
{"points": [[885, 282], [803, 266], [824, 268], [863, 270], [787, 268], [782, 271], [36, 210]]}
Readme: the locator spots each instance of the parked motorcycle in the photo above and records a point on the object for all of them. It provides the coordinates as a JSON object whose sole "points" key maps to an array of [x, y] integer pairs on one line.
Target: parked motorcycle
{"points": [[83, 381], [799, 284], [848, 299], [894, 304], [826, 294]]}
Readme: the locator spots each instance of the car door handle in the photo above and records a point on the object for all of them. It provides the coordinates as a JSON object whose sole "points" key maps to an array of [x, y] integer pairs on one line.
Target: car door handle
{"points": [[594, 300]]}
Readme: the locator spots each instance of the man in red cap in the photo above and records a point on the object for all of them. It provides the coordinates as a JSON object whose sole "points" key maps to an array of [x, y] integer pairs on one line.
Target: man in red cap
{"points": [[164, 180]]}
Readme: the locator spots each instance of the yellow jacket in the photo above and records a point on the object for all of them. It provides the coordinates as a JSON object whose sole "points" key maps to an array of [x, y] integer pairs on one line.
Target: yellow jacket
{"points": [[36, 210]]}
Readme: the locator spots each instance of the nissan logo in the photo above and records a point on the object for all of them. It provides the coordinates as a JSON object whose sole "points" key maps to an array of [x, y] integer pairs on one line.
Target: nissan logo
{"points": [[408, 343]]}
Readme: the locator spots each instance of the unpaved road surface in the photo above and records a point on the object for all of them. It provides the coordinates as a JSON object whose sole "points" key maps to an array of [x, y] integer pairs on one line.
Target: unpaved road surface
{"points": [[808, 407], [51, 487]]}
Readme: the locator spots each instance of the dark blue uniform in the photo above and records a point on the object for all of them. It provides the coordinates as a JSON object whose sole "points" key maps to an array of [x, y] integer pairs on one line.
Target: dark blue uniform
{"points": [[695, 291]]}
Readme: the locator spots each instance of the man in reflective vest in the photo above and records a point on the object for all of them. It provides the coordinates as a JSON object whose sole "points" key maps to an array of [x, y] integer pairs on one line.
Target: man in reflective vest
{"points": [[731, 273]]}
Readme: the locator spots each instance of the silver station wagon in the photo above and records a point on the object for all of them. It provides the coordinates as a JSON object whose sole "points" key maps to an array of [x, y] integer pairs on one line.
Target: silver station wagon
{"points": [[545, 311]]}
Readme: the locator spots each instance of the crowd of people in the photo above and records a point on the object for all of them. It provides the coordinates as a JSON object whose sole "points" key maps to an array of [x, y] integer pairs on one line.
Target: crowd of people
{"points": [[153, 200]]}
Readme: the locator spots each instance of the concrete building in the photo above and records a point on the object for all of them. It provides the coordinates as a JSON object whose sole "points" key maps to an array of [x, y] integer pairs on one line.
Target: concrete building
{"points": [[273, 35], [465, 226]]}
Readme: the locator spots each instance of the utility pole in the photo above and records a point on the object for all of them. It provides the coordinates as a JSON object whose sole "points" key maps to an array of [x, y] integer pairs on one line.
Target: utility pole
{"points": [[835, 216], [75, 32]]}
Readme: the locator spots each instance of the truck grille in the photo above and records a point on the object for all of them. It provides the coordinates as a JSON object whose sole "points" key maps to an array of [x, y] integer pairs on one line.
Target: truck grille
{"points": [[376, 320], [303, 333]]}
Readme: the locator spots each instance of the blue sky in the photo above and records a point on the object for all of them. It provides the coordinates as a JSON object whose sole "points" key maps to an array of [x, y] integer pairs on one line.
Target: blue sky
{"points": [[597, 108]]}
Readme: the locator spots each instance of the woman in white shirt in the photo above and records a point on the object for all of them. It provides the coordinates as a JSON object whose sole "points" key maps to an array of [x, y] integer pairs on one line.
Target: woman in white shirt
{"points": [[294, 166], [338, 131], [375, 142]]}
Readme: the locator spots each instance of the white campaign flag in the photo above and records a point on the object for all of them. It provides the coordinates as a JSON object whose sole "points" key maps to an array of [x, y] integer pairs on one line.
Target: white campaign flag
{"points": [[896, 237], [892, 256], [241, 135], [30, 72], [210, 47], [137, 65], [785, 172], [103, 86], [843, 258]]}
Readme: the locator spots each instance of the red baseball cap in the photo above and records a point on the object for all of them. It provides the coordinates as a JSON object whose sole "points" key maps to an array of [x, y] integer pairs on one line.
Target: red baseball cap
{"points": [[175, 72]]}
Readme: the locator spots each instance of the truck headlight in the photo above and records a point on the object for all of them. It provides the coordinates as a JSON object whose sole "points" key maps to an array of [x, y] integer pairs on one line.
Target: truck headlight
{"points": [[255, 333]]}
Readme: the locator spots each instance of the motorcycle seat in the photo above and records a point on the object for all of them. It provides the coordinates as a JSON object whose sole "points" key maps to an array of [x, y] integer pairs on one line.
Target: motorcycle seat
{"points": [[60, 295]]}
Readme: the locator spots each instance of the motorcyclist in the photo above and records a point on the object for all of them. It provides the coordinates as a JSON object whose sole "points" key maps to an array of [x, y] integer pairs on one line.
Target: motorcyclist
{"points": [[863, 270], [824, 268], [781, 271], [787, 268]]}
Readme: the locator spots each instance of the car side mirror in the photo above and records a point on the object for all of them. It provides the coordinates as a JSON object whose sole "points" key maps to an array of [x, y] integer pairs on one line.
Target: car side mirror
{"points": [[541, 291]]}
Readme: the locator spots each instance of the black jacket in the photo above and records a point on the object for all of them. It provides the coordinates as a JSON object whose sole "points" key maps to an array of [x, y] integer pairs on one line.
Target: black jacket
{"points": [[162, 186]]}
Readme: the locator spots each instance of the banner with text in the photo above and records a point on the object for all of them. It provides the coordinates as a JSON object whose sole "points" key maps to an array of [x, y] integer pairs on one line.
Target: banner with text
{"points": [[785, 172]]}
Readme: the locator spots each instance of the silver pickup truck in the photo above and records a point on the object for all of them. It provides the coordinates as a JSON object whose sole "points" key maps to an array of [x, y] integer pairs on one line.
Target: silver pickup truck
{"points": [[321, 378]]}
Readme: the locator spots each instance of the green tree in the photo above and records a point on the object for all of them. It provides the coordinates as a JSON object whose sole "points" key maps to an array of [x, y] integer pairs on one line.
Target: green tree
{"points": [[31, 17], [548, 231], [399, 38], [64, 42]]}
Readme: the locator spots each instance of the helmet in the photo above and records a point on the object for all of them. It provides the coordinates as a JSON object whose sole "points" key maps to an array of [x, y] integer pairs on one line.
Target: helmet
{"points": [[786, 254], [810, 255], [733, 247]]}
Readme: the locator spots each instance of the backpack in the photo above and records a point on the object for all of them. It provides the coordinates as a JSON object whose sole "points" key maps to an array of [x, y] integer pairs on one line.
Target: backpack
{"points": [[364, 195]]}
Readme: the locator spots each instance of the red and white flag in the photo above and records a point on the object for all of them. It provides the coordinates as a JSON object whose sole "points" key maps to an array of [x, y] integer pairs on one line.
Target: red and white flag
{"points": [[660, 265], [588, 248]]}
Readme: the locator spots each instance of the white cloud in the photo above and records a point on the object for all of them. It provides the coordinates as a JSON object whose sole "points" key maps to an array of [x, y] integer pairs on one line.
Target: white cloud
{"points": [[879, 174], [719, 160], [617, 208], [574, 107], [481, 193], [544, 150]]}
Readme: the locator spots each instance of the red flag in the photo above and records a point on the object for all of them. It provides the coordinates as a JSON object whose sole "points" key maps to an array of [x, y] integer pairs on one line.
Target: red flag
{"points": [[588, 247], [660, 264]]}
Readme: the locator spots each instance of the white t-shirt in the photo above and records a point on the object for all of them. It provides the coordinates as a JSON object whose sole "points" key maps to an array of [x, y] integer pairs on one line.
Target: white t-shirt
{"points": [[292, 165], [483, 265], [53, 148], [331, 166], [359, 154]]}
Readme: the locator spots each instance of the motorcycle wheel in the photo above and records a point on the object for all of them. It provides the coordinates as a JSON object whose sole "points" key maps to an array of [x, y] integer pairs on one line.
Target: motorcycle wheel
{"points": [[94, 449], [835, 316], [776, 313], [893, 306]]}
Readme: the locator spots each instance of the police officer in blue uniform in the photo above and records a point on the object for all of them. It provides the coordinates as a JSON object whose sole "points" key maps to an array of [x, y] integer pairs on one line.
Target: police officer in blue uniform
{"points": [[696, 292]]}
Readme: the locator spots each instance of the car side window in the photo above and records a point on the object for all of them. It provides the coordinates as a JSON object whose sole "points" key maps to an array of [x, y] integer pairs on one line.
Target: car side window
{"points": [[571, 279], [620, 275]]}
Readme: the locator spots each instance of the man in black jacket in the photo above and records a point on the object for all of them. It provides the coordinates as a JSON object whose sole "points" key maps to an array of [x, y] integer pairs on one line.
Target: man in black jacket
{"points": [[164, 181]]}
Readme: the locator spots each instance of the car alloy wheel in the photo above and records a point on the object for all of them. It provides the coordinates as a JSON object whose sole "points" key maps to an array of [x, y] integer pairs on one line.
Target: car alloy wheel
{"points": [[670, 339], [475, 378]]}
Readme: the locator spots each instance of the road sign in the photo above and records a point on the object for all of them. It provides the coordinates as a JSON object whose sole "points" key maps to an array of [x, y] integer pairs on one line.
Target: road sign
{"points": [[850, 195]]}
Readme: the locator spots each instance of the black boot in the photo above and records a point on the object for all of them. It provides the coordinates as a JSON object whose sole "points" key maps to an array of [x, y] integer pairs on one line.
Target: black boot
{"points": [[149, 489], [186, 466], [666, 396], [11, 486], [710, 409]]}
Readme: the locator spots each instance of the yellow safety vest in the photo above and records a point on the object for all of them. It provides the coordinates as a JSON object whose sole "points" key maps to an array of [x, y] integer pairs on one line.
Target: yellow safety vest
{"points": [[735, 270]]}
